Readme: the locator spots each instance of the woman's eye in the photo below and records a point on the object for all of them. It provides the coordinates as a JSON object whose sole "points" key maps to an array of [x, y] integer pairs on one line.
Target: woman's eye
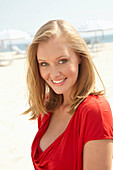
{"points": [[62, 61], [43, 64]]}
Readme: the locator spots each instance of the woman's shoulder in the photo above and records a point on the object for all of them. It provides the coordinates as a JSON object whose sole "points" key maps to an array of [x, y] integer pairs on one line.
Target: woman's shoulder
{"points": [[95, 102], [96, 120], [95, 107], [42, 119]]}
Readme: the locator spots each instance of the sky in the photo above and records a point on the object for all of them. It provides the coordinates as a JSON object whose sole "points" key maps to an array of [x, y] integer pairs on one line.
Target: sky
{"points": [[29, 15]]}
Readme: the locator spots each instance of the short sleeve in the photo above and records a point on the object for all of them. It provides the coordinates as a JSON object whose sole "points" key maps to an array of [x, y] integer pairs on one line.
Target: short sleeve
{"points": [[97, 120]]}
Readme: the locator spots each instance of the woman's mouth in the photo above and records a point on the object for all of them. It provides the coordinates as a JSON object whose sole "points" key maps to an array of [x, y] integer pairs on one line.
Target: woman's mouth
{"points": [[59, 81]]}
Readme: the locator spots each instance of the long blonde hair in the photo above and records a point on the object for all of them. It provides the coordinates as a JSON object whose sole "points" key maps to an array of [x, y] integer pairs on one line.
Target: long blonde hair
{"points": [[42, 101]]}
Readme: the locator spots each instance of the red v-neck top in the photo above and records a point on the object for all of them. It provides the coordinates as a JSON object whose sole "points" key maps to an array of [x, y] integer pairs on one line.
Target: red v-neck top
{"points": [[91, 121]]}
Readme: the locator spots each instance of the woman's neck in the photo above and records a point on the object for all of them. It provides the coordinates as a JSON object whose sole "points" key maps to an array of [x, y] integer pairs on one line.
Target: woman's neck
{"points": [[67, 99]]}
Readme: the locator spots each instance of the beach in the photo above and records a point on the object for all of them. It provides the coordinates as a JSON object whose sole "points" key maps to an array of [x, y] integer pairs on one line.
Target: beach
{"points": [[17, 132]]}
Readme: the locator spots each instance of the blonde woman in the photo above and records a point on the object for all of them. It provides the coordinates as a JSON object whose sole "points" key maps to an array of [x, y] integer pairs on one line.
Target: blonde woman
{"points": [[75, 124]]}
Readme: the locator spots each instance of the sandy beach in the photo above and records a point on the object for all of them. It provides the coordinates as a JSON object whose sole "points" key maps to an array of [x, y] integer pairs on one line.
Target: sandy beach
{"points": [[17, 132]]}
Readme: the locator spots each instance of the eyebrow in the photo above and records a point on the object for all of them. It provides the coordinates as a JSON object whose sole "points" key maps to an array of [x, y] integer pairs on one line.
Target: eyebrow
{"points": [[41, 60], [63, 56]]}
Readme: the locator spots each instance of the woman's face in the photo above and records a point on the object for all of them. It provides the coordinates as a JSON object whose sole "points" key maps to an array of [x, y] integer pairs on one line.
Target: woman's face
{"points": [[58, 65]]}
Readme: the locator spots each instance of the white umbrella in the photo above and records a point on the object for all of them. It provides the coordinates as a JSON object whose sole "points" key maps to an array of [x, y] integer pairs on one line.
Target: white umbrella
{"points": [[95, 25], [13, 34]]}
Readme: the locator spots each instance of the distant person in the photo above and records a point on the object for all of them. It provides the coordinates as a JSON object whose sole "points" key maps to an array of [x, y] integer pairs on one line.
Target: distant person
{"points": [[74, 118]]}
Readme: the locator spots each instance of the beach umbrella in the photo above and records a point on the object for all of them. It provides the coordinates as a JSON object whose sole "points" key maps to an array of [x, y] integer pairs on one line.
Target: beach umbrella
{"points": [[95, 25], [12, 34]]}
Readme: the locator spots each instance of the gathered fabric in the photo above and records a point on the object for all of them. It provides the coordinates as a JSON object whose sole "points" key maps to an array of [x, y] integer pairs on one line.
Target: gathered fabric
{"points": [[91, 121]]}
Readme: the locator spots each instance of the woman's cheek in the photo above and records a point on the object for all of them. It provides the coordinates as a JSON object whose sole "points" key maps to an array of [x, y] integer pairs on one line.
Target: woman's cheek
{"points": [[43, 73]]}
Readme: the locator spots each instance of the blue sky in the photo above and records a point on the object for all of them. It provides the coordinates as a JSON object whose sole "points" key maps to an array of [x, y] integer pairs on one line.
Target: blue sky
{"points": [[29, 15]]}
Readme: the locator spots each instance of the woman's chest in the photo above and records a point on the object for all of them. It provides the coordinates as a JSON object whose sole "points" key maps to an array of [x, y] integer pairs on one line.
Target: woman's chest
{"points": [[64, 152], [55, 129]]}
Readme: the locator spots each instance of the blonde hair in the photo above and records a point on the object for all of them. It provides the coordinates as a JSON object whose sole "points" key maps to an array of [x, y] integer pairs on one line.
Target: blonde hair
{"points": [[38, 100]]}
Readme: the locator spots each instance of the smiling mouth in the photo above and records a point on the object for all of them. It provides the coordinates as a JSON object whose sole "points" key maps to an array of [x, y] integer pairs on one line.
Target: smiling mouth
{"points": [[58, 81]]}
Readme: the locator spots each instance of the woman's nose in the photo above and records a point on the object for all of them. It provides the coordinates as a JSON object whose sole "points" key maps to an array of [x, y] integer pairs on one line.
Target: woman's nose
{"points": [[55, 72]]}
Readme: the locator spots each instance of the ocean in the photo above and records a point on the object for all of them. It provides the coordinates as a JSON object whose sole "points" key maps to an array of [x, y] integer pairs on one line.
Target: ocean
{"points": [[6, 46]]}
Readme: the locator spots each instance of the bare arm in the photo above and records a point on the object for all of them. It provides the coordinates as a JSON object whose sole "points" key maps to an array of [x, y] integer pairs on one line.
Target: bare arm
{"points": [[97, 155]]}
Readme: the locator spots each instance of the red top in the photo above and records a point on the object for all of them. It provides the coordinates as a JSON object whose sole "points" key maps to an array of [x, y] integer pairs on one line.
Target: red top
{"points": [[91, 121]]}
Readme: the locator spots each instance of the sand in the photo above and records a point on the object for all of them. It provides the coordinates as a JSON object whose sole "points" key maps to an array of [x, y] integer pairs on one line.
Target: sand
{"points": [[16, 131]]}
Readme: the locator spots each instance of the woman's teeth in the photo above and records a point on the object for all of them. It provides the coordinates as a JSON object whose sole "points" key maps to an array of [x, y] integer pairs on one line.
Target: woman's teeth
{"points": [[59, 81]]}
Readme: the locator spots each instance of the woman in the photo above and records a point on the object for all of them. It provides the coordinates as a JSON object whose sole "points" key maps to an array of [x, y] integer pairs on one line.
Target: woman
{"points": [[74, 119]]}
